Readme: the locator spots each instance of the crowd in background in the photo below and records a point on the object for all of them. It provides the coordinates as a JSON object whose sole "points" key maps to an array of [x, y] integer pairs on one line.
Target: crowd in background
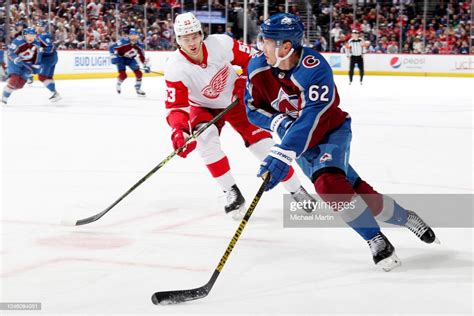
{"points": [[97, 23], [447, 30]]}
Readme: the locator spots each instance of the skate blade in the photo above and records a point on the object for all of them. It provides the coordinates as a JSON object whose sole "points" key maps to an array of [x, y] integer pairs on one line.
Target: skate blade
{"points": [[239, 213], [56, 99], [436, 241], [390, 263]]}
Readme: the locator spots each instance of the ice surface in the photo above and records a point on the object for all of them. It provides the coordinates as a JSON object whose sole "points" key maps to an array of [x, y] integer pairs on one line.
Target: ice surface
{"points": [[72, 159]]}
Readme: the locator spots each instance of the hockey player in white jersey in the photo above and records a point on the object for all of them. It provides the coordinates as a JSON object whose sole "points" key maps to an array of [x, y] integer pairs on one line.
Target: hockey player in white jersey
{"points": [[201, 82]]}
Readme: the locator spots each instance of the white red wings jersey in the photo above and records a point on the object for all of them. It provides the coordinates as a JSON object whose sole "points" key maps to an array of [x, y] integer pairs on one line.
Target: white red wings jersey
{"points": [[209, 84]]}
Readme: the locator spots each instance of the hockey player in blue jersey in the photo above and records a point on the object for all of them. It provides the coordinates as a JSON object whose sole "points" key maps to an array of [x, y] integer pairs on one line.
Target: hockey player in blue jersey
{"points": [[3, 65], [20, 26], [24, 56], [124, 53], [291, 92], [48, 61]]}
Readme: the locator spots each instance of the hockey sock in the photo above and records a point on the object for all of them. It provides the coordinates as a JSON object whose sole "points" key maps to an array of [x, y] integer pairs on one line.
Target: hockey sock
{"points": [[392, 212], [358, 216], [209, 148], [122, 75], [7, 91], [48, 83], [291, 183], [383, 207], [373, 199], [336, 190], [220, 171], [138, 75], [138, 84]]}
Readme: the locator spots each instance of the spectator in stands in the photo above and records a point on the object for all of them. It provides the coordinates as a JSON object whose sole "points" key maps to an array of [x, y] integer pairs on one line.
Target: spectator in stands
{"points": [[418, 46], [448, 30], [464, 49]]}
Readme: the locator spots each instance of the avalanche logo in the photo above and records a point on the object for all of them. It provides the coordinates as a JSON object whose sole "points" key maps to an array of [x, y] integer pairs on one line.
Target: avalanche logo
{"points": [[325, 157], [286, 20], [285, 103], [310, 62], [395, 62], [27, 54], [217, 84], [131, 53]]}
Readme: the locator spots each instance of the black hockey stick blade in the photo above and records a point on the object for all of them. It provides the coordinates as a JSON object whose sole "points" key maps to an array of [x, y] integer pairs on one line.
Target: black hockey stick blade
{"points": [[181, 296], [97, 216]]}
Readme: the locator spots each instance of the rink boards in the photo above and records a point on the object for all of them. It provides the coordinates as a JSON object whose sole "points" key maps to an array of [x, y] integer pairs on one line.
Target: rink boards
{"points": [[96, 64]]}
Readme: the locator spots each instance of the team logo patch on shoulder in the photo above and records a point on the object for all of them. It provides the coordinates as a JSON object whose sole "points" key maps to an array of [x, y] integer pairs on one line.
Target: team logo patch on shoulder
{"points": [[217, 84], [310, 62], [286, 20], [325, 157]]}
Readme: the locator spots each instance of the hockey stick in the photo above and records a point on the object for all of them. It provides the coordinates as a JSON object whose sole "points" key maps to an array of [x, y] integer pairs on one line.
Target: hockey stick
{"points": [[180, 296], [153, 72], [157, 72], [152, 171]]}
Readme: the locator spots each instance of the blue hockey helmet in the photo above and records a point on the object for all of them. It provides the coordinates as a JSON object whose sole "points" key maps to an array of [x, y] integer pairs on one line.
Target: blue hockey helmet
{"points": [[29, 30], [283, 27], [42, 23], [133, 32]]}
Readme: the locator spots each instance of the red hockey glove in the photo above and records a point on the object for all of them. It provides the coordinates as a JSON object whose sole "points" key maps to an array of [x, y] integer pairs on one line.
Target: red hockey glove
{"points": [[239, 87], [179, 138]]}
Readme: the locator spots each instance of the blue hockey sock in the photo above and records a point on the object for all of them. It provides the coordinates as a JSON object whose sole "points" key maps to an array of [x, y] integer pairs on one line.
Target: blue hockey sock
{"points": [[360, 218], [7, 91], [50, 85], [392, 212]]}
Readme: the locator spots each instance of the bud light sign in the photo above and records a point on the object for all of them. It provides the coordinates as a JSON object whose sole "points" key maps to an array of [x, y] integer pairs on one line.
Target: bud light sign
{"points": [[92, 61]]}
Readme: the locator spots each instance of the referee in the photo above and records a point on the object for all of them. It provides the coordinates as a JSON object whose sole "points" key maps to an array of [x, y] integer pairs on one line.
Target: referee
{"points": [[355, 51]]}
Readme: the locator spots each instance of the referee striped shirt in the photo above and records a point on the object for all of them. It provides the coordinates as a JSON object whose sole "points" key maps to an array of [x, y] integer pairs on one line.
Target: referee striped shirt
{"points": [[355, 47]]}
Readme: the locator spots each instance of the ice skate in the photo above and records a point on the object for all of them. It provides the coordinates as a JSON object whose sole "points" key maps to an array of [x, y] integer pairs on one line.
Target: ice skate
{"points": [[420, 228], [302, 196], [140, 92], [235, 203], [118, 87], [4, 100], [29, 81], [383, 253], [55, 97]]}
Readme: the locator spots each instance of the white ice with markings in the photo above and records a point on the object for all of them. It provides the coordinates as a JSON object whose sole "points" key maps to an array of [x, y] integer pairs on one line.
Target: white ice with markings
{"points": [[72, 159]]}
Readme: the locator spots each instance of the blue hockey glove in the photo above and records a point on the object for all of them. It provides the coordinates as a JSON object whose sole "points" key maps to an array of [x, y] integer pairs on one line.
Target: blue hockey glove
{"points": [[114, 60], [277, 163], [147, 66], [280, 124]]}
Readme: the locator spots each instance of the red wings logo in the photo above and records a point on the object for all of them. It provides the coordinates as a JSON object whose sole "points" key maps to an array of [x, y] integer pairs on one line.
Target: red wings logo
{"points": [[217, 84]]}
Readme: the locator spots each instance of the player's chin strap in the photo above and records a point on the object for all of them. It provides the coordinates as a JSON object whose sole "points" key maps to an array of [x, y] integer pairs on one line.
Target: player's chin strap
{"points": [[280, 59]]}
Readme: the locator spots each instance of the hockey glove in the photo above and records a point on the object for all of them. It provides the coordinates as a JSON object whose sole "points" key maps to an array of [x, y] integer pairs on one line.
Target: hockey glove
{"points": [[179, 138], [280, 124], [147, 66], [277, 163], [114, 60], [239, 87]]}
